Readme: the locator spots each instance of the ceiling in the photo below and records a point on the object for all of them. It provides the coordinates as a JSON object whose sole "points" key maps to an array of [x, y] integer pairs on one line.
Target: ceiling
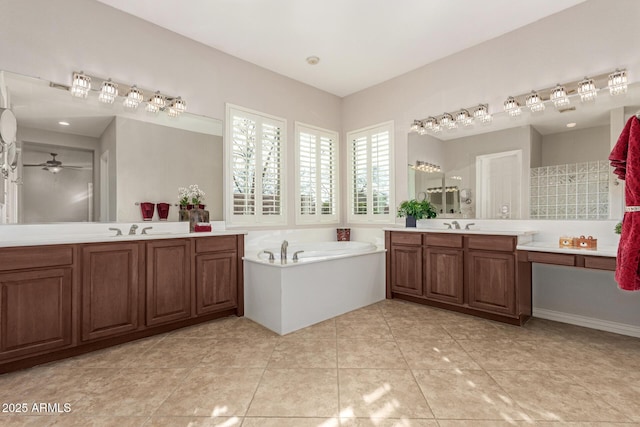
{"points": [[360, 43]]}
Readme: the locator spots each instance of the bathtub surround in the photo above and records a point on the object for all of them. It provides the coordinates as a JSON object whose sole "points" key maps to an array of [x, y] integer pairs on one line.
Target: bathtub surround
{"points": [[330, 279]]}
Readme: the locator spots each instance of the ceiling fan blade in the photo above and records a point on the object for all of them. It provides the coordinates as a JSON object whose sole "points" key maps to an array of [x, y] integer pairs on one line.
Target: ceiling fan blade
{"points": [[41, 164]]}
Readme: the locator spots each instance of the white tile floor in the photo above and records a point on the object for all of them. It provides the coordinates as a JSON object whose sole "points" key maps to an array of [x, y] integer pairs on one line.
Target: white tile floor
{"points": [[389, 364]]}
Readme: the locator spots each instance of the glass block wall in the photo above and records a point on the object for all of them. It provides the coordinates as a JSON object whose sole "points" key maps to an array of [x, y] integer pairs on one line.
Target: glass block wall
{"points": [[571, 191]]}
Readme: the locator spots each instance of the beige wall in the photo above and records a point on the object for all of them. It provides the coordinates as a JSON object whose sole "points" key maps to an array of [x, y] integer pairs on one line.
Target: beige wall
{"points": [[153, 161], [583, 145]]}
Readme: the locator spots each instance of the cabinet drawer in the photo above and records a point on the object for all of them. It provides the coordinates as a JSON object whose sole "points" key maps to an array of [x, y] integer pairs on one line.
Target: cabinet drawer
{"points": [[35, 257], [406, 238], [215, 244], [443, 240], [600, 262], [551, 258], [492, 243]]}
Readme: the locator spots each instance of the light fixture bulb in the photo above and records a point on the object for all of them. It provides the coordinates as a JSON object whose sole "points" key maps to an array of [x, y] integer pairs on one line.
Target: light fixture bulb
{"points": [[559, 97], [108, 92], [618, 82], [448, 122], [464, 118], [587, 90], [512, 107], [482, 113], [534, 102], [133, 99], [81, 85], [156, 103], [177, 107]]}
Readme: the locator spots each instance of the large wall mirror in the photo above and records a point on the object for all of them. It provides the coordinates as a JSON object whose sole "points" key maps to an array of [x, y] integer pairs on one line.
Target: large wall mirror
{"points": [[547, 165], [78, 160]]}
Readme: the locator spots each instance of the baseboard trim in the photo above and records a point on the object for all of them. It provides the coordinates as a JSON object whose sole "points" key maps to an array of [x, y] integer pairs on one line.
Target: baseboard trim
{"points": [[588, 322]]}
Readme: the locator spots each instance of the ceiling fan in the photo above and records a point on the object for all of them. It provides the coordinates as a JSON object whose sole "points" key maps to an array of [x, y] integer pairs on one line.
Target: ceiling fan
{"points": [[53, 165]]}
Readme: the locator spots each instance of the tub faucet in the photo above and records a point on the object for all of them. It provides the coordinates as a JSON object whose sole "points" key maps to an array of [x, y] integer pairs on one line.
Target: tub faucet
{"points": [[456, 225], [295, 255], [133, 229], [283, 251]]}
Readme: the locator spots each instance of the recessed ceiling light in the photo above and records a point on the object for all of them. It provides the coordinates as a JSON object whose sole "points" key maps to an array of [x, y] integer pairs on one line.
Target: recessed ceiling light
{"points": [[313, 60], [64, 123], [571, 125]]}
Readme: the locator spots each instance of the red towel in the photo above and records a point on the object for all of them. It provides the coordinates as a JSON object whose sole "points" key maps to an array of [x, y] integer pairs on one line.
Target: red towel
{"points": [[625, 158]]}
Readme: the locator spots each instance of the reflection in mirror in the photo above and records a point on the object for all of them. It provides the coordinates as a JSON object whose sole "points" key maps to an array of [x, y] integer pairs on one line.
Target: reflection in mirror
{"points": [[562, 167], [82, 160]]}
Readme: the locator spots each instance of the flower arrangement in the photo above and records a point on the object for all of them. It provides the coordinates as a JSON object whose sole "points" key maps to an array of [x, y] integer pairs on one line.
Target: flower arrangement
{"points": [[191, 195]]}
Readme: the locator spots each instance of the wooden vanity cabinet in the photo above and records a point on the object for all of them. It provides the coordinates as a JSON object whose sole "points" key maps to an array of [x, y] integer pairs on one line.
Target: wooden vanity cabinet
{"points": [[406, 263], [444, 266], [111, 289], [474, 274], [216, 267], [64, 300], [168, 281], [36, 300]]}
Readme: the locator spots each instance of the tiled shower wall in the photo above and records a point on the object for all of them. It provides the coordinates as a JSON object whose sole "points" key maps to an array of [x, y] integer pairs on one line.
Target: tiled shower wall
{"points": [[571, 191]]}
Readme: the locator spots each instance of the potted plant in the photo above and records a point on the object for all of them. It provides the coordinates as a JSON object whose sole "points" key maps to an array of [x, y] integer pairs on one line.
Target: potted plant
{"points": [[414, 210]]}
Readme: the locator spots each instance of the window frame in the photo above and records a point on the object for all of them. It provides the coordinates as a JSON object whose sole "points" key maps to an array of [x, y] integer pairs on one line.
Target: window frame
{"points": [[258, 218], [369, 217], [317, 218]]}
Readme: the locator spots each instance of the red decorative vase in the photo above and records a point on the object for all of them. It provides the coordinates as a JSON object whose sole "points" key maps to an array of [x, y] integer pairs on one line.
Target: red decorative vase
{"points": [[344, 234], [147, 210], [163, 211], [201, 206]]}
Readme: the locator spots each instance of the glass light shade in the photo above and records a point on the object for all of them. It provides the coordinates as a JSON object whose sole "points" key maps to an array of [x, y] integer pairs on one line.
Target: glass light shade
{"points": [[134, 98], [534, 102], [81, 85], [156, 103], [422, 130], [426, 167], [447, 121], [54, 169], [587, 90], [108, 92], [415, 126], [512, 107], [464, 118], [618, 82], [559, 97], [482, 113], [431, 123]]}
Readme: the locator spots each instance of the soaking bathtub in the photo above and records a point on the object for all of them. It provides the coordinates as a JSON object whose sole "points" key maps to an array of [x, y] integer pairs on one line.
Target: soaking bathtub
{"points": [[329, 279]]}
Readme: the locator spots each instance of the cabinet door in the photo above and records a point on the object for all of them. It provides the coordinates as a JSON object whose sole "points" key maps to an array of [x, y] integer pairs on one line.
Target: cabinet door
{"points": [[491, 277], [168, 281], [35, 311], [443, 274], [110, 289], [216, 282], [406, 270]]}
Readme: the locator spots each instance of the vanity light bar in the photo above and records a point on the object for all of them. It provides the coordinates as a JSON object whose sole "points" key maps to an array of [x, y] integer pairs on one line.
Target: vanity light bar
{"points": [[559, 95], [109, 90]]}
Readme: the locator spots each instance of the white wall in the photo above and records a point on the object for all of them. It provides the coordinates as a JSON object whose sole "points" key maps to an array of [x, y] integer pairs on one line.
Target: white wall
{"points": [[52, 38]]}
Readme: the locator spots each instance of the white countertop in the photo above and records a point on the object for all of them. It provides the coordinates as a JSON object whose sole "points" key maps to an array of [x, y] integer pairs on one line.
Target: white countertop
{"points": [[603, 250], [491, 232], [59, 234]]}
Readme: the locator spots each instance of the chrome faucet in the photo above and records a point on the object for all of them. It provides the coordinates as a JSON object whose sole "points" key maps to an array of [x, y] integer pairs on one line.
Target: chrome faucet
{"points": [[456, 225], [295, 255], [468, 226], [133, 229], [283, 251], [271, 257]]}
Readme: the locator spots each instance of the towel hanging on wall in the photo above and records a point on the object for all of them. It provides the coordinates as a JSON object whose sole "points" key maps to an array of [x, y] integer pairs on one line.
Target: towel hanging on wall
{"points": [[625, 158]]}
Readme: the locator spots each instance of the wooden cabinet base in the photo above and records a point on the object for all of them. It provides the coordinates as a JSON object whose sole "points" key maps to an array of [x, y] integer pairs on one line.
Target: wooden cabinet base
{"points": [[108, 342], [518, 321]]}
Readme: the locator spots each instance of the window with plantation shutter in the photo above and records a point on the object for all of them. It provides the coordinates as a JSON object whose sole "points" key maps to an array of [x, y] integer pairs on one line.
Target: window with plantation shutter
{"points": [[256, 144], [317, 181], [370, 174]]}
